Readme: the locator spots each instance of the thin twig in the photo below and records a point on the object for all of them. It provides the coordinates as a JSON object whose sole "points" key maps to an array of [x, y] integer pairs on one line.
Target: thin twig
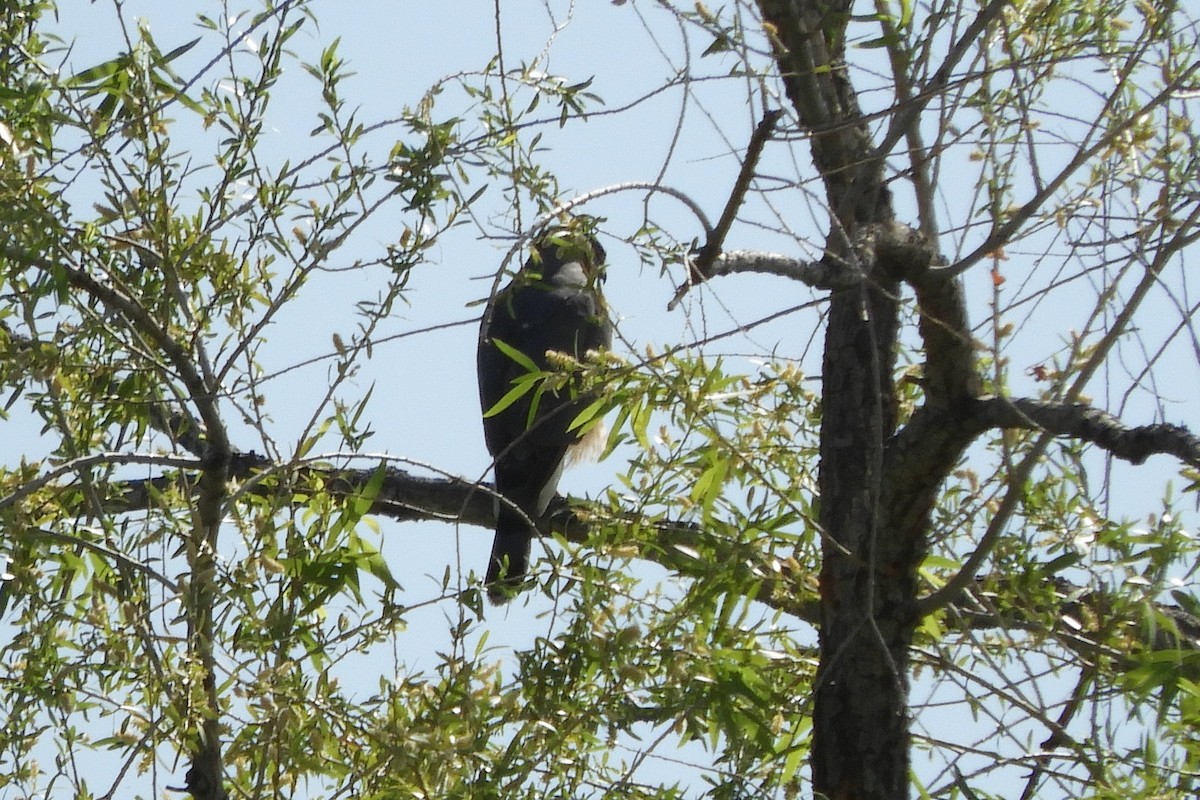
{"points": [[699, 267]]}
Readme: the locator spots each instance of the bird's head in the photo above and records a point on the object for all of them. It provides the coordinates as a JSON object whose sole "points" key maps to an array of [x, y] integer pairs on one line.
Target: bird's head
{"points": [[571, 255]]}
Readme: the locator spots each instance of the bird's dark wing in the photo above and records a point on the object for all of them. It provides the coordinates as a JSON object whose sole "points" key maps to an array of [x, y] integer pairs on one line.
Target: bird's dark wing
{"points": [[534, 320]]}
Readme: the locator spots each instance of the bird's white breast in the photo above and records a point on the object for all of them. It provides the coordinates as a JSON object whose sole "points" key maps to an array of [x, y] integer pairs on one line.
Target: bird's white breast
{"points": [[572, 275]]}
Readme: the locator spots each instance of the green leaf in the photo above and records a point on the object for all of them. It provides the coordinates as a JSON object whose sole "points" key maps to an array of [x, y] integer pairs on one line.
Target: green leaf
{"points": [[365, 497], [523, 384], [99, 72], [371, 561], [1060, 563], [516, 355], [594, 410], [519, 390], [178, 51], [1187, 602], [719, 45], [888, 40], [710, 483]]}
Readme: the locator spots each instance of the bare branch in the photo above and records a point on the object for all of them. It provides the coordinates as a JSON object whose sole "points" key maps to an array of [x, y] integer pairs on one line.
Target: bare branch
{"points": [[1083, 422], [817, 274], [901, 250], [699, 267], [909, 113], [631, 186]]}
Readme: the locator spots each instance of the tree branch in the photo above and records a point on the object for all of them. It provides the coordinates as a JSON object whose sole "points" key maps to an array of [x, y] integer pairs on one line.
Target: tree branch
{"points": [[909, 113], [689, 550], [900, 250], [1081, 610], [1113, 129], [817, 274], [950, 368], [1077, 420], [140, 320], [699, 267], [1083, 422], [179, 426]]}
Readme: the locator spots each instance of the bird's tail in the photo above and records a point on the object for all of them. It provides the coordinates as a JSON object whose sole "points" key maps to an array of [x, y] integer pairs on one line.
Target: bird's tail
{"points": [[510, 556]]}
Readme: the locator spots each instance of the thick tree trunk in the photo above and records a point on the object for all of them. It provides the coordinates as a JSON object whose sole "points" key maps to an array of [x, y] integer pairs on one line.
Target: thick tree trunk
{"points": [[877, 484], [868, 590], [860, 747]]}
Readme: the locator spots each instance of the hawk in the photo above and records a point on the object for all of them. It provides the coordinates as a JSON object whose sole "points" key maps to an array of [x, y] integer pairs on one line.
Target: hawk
{"points": [[553, 304]]}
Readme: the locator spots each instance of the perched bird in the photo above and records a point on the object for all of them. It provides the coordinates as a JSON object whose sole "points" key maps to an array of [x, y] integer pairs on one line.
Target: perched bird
{"points": [[553, 304]]}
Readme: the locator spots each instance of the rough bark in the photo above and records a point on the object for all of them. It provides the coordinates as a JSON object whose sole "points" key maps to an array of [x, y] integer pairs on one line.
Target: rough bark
{"points": [[868, 581]]}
